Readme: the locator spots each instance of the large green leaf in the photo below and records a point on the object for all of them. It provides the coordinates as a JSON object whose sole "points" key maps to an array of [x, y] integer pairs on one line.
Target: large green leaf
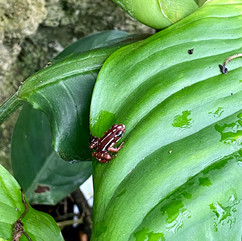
{"points": [[63, 91], [37, 225], [49, 177], [178, 175], [159, 13]]}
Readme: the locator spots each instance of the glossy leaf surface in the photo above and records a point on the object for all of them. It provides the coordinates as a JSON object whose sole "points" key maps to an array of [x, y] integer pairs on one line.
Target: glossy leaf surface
{"points": [[38, 225], [43, 175], [63, 90], [178, 176], [158, 14], [95, 41]]}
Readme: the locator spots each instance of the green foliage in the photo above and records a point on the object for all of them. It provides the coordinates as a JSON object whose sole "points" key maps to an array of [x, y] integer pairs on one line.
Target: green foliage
{"points": [[63, 91], [49, 178], [64, 88], [35, 164], [178, 175], [37, 225]]}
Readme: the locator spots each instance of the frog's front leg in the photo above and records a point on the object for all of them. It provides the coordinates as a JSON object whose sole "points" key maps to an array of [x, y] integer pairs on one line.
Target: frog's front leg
{"points": [[94, 142], [115, 149]]}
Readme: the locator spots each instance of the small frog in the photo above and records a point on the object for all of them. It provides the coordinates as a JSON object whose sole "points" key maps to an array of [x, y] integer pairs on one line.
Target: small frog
{"points": [[106, 144]]}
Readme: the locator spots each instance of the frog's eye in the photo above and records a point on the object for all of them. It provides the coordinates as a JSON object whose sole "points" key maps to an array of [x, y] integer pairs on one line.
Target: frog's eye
{"points": [[120, 133]]}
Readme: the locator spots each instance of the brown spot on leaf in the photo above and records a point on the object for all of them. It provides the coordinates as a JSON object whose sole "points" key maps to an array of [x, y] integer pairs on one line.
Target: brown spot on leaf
{"points": [[41, 188], [190, 51], [223, 68]]}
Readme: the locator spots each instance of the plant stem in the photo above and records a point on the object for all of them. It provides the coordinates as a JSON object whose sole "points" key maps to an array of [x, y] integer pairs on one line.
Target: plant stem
{"points": [[232, 57], [65, 223], [9, 106]]}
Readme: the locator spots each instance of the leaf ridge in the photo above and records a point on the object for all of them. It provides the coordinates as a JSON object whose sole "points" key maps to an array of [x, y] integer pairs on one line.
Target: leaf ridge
{"points": [[167, 145], [176, 91], [161, 69], [174, 94], [216, 161], [122, 180]]}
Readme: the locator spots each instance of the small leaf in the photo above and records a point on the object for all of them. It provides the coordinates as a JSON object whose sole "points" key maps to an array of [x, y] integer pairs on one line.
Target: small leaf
{"points": [[158, 14], [178, 175], [37, 225], [63, 91], [44, 176]]}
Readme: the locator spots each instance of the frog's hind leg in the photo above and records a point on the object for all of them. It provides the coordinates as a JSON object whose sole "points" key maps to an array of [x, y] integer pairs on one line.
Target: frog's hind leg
{"points": [[115, 149]]}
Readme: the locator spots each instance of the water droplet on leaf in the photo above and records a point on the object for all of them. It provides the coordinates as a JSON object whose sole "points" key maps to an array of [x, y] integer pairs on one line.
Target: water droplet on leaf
{"points": [[204, 181], [224, 214], [217, 113], [182, 120], [145, 234], [231, 133]]}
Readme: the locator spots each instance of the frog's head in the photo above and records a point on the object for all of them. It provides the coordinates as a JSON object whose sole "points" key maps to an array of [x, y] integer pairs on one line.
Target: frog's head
{"points": [[118, 130]]}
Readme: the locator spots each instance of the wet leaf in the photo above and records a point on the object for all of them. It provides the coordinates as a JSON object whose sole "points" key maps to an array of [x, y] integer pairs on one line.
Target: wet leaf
{"points": [[178, 174]]}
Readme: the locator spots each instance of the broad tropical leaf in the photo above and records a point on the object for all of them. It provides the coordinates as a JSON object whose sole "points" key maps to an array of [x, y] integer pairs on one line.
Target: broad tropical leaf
{"points": [[178, 175], [159, 14], [49, 177], [37, 225], [63, 91]]}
